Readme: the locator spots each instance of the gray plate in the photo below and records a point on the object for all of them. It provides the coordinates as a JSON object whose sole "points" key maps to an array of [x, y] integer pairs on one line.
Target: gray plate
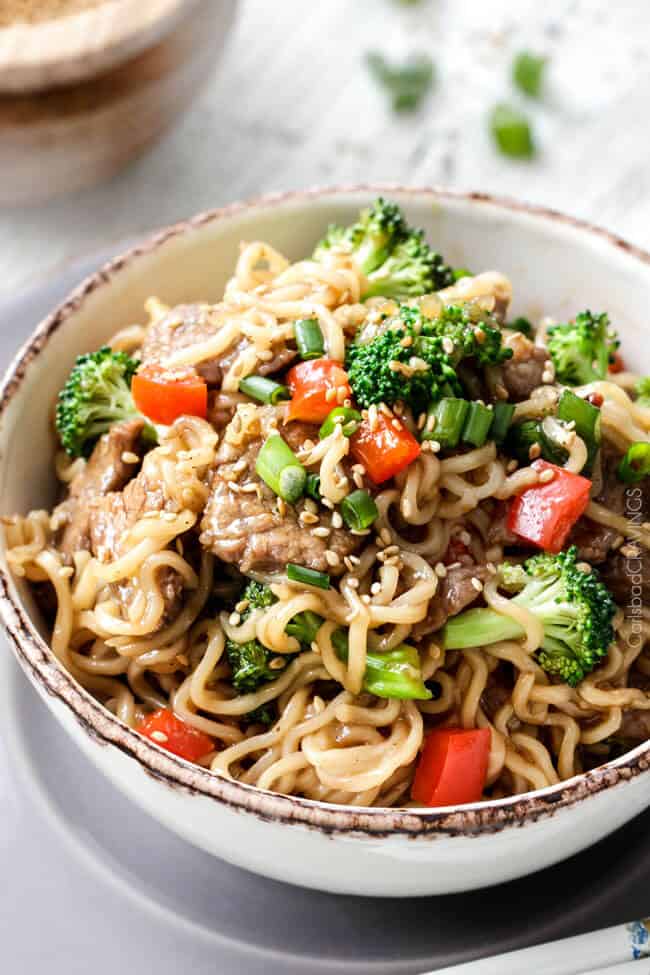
{"points": [[161, 897]]}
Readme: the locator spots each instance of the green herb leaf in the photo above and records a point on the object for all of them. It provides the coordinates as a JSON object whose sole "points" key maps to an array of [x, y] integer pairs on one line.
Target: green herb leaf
{"points": [[511, 132], [528, 73], [406, 83]]}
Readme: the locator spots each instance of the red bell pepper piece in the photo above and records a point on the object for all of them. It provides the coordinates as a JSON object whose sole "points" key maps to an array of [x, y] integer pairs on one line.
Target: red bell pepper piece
{"points": [[168, 731], [165, 394], [383, 448], [452, 767], [544, 514], [317, 386]]}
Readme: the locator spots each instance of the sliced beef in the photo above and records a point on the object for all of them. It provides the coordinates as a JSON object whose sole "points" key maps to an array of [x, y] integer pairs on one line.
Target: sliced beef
{"points": [[106, 470], [455, 592], [242, 523], [112, 516], [523, 372], [635, 726], [187, 325]]}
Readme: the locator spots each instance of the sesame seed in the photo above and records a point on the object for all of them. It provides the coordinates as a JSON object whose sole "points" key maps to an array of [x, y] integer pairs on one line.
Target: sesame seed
{"points": [[358, 479], [159, 736], [391, 550], [308, 518], [276, 664], [250, 488], [491, 567], [385, 536], [385, 410], [234, 619], [341, 395], [454, 565], [128, 457], [422, 419], [375, 588], [348, 563], [395, 423], [394, 365], [440, 570], [337, 521], [308, 445], [353, 583], [406, 341], [354, 559], [332, 558], [328, 504], [330, 395], [361, 533], [547, 377], [546, 476], [584, 567], [534, 451], [464, 537], [478, 585], [434, 446], [365, 599], [480, 336], [447, 345], [239, 466], [242, 605], [321, 532]]}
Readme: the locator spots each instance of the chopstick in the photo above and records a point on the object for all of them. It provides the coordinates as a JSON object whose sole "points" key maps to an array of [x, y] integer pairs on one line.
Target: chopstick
{"points": [[610, 951]]}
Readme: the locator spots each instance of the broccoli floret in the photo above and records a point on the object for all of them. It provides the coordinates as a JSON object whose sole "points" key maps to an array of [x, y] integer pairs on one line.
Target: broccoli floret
{"points": [[522, 325], [96, 395], [642, 390], [250, 662], [429, 351], [412, 269], [371, 239], [395, 258], [583, 349], [573, 605], [265, 714]]}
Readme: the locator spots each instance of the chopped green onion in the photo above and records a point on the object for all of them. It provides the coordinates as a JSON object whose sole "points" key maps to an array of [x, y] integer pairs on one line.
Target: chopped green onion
{"points": [[312, 486], [348, 419], [477, 424], [304, 626], [636, 463], [393, 674], [359, 510], [511, 131], [309, 338], [537, 433], [502, 414], [308, 577], [279, 467], [528, 73], [586, 417], [263, 389], [449, 418]]}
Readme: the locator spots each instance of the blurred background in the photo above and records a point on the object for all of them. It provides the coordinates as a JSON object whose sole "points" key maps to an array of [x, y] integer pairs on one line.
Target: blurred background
{"points": [[294, 100]]}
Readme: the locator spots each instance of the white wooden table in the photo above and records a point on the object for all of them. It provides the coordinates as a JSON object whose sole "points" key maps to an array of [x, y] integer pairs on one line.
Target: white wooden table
{"points": [[292, 105]]}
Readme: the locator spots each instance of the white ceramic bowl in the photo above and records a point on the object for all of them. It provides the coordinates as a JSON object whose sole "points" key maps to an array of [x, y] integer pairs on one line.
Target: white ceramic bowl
{"points": [[558, 266]]}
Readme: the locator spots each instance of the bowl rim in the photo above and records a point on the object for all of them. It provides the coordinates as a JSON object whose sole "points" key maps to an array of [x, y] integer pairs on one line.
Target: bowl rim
{"points": [[102, 727]]}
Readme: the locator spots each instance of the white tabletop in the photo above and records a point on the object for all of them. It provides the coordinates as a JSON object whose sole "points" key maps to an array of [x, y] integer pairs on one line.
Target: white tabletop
{"points": [[291, 105]]}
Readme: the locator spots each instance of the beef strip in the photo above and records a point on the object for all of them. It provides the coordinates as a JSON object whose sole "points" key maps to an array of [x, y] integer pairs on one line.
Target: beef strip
{"points": [[455, 592], [635, 726], [187, 325], [112, 516], [105, 471], [523, 372], [246, 527]]}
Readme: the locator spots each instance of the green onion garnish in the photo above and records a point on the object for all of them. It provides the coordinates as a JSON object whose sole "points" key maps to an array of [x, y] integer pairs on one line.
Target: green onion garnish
{"points": [[279, 467], [636, 463], [477, 424], [359, 510], [449, 418], [348, 419], [309, 338], [586, 417], [528, 73], [312, 486], [511, 131], [263, 389], [308, 577], [502, 414]]}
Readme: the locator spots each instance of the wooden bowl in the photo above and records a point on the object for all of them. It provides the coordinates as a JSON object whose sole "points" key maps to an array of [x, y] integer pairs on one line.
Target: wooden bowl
{"points": [[79, 118]]}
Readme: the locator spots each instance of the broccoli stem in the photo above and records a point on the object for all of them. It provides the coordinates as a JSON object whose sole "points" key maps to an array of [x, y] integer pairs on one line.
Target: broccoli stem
{"points": [[479, 627], [393, 674]]}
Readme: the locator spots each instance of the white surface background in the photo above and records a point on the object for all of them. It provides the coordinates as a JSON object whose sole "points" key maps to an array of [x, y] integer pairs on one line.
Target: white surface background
{"points": [[291, 105]]}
